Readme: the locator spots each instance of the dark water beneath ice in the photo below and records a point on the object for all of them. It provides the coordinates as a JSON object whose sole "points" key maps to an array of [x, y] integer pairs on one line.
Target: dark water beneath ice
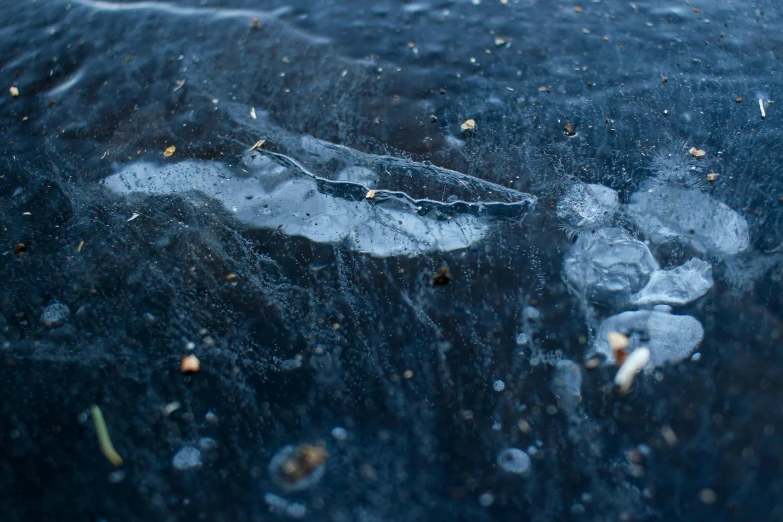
{"points": [[311, 306]]}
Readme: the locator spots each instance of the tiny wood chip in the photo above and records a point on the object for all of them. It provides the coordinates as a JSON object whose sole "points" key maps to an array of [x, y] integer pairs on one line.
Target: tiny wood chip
{"points": [[169, 151]]}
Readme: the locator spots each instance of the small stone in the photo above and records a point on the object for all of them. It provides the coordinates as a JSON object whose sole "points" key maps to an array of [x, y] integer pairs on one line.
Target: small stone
{"points": [[189, 364], [188, 458], [55, 315]]}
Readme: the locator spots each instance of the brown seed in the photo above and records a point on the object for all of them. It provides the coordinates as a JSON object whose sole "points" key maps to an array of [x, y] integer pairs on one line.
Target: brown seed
{"points": [[442, 276], [370, 194], [712, 176], [189, 364], [19, 249], [570, 130], [697, 153], [255, 22], [169, 151], [738, 99]]}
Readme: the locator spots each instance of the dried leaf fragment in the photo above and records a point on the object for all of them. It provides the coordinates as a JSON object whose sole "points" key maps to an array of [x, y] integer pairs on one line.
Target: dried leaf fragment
{"points": [[81, 245], [257, 145], [370, 194], [170, 150], [697, 153], [469, 125], [14, 91], [189, 364]]}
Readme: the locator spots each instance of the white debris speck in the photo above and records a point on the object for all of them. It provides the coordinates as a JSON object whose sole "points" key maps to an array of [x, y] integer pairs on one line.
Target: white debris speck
{"points": [[253, 112], [761, 106], [134, 216], [635, 361]]}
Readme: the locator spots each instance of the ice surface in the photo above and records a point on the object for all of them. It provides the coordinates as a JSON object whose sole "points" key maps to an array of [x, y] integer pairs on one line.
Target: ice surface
{"points": [[677, 286], [670, 338], [567, 385], [665, 213], [280, 194], [608, 265], [587, 206]]}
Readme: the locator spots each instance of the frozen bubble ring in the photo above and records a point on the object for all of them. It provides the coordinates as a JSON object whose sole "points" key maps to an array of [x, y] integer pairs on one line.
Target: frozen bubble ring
{"points": [[514, 460]]}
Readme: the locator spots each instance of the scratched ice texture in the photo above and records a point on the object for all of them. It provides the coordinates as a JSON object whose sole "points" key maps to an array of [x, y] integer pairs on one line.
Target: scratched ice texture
{"points": [[397, 315]]}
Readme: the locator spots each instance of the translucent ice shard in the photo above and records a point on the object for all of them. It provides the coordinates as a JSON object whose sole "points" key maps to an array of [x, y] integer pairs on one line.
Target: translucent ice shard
{"points": [[587, 206], [670, 338], [665, 213], [608, 265], [678, 286], [275, 191]]}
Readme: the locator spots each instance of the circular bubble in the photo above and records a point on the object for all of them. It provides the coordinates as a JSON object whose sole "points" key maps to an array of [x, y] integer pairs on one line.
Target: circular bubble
{"points": [[514, 460]]}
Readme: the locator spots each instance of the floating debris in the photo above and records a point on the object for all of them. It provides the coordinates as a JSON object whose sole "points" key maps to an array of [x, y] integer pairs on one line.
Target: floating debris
{"points": [[619, 344], [633, 364], [253, 112], [14, 91], [469, 125], [738, 99], [570, 130], [19, 249], [180, 84], [712, 176], [257, 145], [81, 245], [295, 468], [133, 216], [514, 460], [442, 276], [761, 106], [697, 153], [171, 408], [103, 437], [664, 79], [189, 364], [170, 150], [500, 41], [370, 194]]}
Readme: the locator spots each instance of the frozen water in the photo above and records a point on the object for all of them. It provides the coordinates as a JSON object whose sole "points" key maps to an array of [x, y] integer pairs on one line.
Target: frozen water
{"points": [[677, 286], [664, 213], [587, 206], [279, 194], [608, 265], [567, 385], [670, 338]]}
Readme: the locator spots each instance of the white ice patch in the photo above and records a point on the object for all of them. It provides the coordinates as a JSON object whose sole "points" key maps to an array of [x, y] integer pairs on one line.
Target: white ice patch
{"points": [[670, 338], [665, 213], [608, 265], [677, 286], [587, 206], [279, 195]]}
